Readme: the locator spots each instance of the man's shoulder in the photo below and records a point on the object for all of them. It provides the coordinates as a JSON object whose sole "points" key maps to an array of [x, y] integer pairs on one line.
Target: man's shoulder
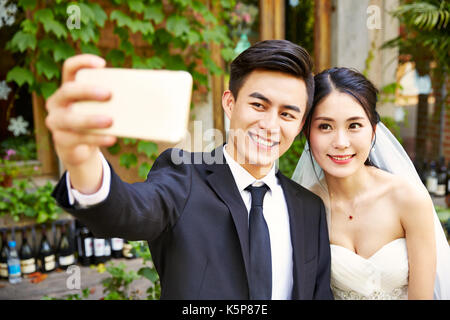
{"points": [[179, 156], [301, 191]]}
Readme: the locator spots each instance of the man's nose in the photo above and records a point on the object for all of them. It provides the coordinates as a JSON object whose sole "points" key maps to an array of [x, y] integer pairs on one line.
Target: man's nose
{"points": [[341, 140], [269, 120]]}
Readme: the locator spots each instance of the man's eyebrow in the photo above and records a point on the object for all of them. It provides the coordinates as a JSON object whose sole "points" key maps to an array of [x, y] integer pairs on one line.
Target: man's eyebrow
{"points": [[258, 95]]}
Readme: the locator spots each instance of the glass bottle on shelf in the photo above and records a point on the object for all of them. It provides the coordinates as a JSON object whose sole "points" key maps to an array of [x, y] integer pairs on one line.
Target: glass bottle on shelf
{"points": [[27, 257], [46, 255], [4, 253]]}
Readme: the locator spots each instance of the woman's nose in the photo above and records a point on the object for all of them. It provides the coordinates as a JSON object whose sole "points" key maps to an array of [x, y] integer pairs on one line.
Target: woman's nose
{"points": [[341, 140]]}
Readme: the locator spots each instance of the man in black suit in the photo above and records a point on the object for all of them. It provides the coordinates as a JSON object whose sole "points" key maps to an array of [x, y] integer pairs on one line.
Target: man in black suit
{"points": [[220, 225]]}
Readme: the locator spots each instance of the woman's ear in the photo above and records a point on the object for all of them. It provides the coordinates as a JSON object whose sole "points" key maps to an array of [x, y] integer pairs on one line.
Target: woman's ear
{"points": [[228, 103]]}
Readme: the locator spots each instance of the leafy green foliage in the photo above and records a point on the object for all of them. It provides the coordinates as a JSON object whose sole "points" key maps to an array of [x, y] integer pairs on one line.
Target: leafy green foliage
{"points": [[24, 199], [288, 161], [425, 32]]}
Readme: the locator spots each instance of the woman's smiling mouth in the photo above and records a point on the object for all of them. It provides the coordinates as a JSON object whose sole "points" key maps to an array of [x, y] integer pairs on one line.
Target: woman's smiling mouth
{"points": [[341, 159]]}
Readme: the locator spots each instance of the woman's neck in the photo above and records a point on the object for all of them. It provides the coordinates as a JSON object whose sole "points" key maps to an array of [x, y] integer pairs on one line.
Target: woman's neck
{"points": [[349, 188]]}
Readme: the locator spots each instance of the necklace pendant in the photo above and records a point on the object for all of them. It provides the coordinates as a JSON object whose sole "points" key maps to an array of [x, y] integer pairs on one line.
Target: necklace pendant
{"points": [[350, 217]]}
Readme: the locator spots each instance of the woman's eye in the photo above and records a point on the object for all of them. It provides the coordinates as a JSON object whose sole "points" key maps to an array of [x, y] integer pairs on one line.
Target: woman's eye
{"points": [[355, 125], [324, 126]]}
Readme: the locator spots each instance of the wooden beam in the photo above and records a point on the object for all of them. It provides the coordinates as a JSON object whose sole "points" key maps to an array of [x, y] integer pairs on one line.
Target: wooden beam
{"points": [[217, 81], [322, 35]]}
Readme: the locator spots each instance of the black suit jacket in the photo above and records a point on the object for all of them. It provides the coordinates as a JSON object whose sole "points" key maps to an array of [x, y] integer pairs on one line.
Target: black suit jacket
{"points": [[196, 225]]}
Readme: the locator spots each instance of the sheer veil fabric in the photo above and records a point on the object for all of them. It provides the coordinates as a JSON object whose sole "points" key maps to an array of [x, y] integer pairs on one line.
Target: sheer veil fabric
{"points": [[389, 155]]}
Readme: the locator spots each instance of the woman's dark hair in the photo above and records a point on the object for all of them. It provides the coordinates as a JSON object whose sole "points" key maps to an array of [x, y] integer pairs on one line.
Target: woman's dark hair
{"points": [[273, 55], [347, 81]]}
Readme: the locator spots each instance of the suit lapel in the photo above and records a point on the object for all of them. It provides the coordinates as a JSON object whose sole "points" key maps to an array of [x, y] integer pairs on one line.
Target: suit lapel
{"points": [[297, 227], [222, 182]]}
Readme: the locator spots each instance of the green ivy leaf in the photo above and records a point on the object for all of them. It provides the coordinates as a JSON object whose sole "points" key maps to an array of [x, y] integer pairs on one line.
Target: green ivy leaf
{"points": [[147, 147], [57, 28], [90, 48], [46, 44], [154, 63], [129, 141], [193, 37], [177, 25], [148, 273], [46, 66], [115, 149], [228, 54], [28, 26], [47, 89], [85, 34], [116, 57], [121, 18], [86, 13], [128, 160], [62, 51], [99, 14], [20, 76], [144, 169], [43, 15], [27, 4], [42, 217], [22, 41], [136, 6], [154, 12]]}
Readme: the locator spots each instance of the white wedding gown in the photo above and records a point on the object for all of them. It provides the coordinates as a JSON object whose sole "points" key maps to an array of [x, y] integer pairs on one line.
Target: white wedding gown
{"points": [[382, 276]]}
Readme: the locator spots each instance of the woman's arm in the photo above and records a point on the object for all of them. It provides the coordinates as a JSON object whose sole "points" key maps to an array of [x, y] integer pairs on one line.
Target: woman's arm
{"points": [[416, 212]]}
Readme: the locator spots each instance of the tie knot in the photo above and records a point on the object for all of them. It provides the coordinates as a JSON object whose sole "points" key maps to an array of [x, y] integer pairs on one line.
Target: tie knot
{"points": [[258, 194]]}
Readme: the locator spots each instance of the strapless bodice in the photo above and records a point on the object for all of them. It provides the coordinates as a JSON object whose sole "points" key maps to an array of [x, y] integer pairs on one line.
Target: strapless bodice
{"points": [[384, 275]]}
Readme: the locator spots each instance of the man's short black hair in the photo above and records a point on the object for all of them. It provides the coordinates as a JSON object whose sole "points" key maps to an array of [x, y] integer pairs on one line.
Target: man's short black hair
{"points": [[273, 55]]}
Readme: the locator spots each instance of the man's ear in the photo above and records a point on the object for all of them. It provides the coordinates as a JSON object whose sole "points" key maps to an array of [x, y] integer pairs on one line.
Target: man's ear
{"points": [[228, 103]]}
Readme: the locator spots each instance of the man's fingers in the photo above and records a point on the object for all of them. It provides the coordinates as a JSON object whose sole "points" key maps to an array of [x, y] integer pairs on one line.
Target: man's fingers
{"points": [[66, 119], [72, 91], [75, 63], [68, 139]]}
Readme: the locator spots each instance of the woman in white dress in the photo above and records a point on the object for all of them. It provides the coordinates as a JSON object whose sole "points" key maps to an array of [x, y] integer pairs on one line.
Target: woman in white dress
{"points": [[384, 233]]}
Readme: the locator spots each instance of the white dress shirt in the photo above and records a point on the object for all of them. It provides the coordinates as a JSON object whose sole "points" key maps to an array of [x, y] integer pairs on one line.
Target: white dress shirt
{"points": [[274, 209]]}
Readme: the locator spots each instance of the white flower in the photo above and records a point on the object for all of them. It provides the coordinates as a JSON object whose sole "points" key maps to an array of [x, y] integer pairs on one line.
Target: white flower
{"points": [[7, 13], [18, 126], [4, 90]]}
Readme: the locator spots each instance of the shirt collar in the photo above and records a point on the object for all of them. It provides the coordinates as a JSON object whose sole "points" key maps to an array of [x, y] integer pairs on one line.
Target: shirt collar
{"points": [[243, 178]]}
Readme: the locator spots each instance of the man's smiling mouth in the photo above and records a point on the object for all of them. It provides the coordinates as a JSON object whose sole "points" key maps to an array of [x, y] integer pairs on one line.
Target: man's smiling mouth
{"points": [[261, 141]]}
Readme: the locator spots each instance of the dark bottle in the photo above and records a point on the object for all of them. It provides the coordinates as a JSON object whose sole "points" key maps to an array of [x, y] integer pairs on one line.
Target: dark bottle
{"points": [[116, 247], [128, 251], [85, 246], [27, 257], [66, 250], [442, 180], [99, 250], [432, 178], [46, 255], [4, 252]]}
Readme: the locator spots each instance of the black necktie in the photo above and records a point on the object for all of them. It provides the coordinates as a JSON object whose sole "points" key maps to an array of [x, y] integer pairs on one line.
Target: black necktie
{"points": [[260, 281]]}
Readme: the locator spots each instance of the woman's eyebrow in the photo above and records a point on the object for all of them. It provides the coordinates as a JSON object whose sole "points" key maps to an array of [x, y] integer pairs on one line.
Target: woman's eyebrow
{"points": [[332, 120]]}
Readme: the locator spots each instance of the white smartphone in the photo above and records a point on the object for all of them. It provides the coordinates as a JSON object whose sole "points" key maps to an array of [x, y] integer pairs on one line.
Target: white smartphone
{"points": [[145, 104]]}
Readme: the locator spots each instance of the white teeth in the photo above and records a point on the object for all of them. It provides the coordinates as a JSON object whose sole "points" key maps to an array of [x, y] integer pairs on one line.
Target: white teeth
{"points": [[263, 142], [342, 158]]}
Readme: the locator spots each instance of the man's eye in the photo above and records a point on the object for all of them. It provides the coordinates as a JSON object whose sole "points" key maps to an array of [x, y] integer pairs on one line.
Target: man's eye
{"points": [[257, 105], [287, 115], [324, 126], [355, 125]]}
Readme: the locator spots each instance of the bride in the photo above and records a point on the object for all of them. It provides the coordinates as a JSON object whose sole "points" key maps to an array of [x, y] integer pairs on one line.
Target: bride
{"points": [[386, 239]]}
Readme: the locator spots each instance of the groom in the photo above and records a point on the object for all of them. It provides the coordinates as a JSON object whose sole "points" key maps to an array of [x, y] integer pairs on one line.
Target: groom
{"points": [[235, 228]]}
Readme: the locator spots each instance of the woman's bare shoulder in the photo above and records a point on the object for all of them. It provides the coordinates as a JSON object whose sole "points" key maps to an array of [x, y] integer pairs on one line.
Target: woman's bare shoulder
{"points": [[412, 199]]}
